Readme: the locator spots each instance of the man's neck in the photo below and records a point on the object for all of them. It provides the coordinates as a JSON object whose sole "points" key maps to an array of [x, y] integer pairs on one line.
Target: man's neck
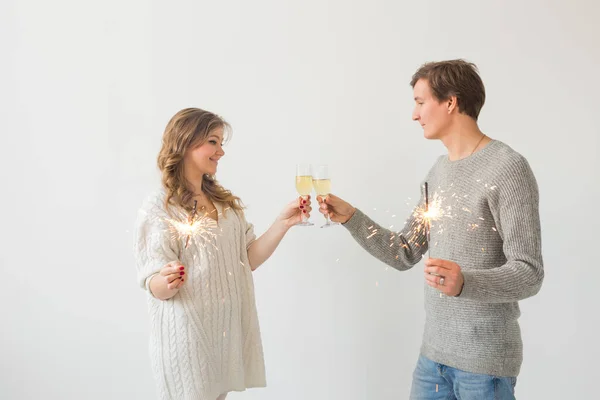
{"points": [[463, 140]]}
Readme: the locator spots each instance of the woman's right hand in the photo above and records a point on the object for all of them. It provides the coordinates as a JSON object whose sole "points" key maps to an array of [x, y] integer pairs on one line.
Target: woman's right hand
{"points": [[168, 281]]}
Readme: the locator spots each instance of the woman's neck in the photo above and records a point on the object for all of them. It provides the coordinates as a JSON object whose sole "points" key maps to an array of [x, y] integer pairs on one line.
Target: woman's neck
{"points": [[194, 180]]}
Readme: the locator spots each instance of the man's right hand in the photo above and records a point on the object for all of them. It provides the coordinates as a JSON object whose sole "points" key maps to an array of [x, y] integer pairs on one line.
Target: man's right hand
{"points": [[337, 209]]}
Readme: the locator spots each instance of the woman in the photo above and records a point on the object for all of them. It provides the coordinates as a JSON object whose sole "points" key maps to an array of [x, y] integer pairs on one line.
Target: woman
{"points": [[195, 253]]}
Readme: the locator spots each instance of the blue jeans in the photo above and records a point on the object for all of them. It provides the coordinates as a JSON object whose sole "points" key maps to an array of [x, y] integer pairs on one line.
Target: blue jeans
{"points": [[434, 381]]}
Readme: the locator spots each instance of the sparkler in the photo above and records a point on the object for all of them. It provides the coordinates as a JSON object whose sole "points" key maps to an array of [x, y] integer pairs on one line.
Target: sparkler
{"points": [[428, 220], [429, 214], [187, 240]]}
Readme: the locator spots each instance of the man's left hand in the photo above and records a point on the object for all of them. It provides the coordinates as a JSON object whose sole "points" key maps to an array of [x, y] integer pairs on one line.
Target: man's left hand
{"points": [[444, 276]]}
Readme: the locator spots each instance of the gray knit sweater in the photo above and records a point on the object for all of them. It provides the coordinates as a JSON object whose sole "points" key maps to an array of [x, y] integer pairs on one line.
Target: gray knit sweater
{"points": [[490, 226]]}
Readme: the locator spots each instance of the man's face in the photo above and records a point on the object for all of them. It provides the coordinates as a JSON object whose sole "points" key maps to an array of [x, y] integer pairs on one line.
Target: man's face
{"points": [[429, 112]]}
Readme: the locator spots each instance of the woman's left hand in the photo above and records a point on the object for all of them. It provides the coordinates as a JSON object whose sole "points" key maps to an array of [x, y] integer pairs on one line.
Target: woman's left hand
{"points": [[293, 213]]}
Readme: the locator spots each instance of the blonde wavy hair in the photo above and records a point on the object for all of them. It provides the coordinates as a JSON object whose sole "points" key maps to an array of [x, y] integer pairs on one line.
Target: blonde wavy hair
{"points": [[188, 129]]}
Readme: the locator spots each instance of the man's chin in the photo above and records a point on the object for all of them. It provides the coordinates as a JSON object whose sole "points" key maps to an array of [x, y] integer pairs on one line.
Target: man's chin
{"points": [[430, 135]]}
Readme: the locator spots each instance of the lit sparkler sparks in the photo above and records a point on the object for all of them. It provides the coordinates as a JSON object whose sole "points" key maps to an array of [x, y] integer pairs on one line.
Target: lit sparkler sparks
{"points": [[438, 205], [424, 215], [199, 229]]}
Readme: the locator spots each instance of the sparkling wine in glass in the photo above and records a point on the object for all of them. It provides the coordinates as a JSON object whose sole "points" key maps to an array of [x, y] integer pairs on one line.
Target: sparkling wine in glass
{"points": [[304, 186], [322, 184]]}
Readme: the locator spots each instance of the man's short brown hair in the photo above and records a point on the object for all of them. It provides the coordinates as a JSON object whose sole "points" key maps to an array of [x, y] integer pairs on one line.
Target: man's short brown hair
{"points": [[454, 78]]}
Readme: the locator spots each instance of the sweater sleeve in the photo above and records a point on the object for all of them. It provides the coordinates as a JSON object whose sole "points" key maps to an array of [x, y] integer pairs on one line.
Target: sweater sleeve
{"points": [[249, 232], [154, 246], [515, 207], [400, 250]]}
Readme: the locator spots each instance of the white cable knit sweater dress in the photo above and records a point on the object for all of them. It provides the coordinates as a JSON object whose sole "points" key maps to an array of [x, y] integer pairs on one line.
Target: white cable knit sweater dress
{"points": [[204, 341]]}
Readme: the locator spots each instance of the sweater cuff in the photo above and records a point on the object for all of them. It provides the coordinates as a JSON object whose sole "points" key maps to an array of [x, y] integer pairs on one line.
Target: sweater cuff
{"points": [[147, 284], [356, 221], [469, 289]]}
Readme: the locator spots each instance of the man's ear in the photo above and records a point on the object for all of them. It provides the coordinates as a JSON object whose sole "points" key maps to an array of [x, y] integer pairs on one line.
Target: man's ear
{"points": [[452, 103]]}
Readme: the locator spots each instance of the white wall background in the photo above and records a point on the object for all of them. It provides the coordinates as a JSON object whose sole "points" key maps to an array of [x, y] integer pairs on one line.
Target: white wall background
{"points": [[86, 89]]}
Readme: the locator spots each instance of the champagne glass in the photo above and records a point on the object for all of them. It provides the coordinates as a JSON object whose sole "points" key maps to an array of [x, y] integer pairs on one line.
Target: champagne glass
{"points": [[304, 186], [322, 184]]}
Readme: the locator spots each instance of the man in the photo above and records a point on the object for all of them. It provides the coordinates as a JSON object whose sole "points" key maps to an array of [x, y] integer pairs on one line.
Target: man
{"points": [[486, 241]]}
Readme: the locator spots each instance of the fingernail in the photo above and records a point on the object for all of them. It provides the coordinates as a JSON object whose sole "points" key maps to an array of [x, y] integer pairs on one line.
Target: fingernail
{"points": [[181, 268], [181, 273], [301, 206], [304, 201], [304, 211]]}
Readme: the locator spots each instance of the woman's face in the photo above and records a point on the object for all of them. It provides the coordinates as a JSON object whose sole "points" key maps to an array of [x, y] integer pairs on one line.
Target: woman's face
{"points": [[204, 159]]}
